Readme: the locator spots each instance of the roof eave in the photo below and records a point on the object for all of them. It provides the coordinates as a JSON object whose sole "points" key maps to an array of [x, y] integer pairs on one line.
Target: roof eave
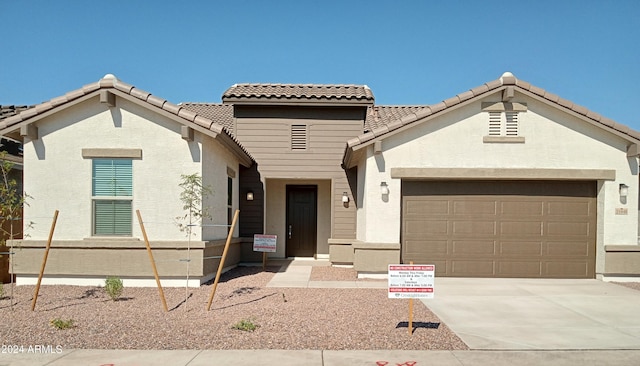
{"points": [[136, 96], [629, 135]]}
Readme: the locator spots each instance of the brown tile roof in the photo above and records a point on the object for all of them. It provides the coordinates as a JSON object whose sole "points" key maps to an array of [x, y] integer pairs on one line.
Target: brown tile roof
{"points": [[151, 101], [507, 79], [220, 113], [381, 115], [299, 93], [7, 111]]}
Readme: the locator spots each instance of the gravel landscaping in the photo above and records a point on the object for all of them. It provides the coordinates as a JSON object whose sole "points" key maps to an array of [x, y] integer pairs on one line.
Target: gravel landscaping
{"points": [[287, 318]]}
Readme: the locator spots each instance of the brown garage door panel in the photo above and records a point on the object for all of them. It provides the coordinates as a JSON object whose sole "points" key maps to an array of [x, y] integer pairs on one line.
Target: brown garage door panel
{"points": [[575, 249], [520, 208], [466, 268], [436, 207], [422, 228], [520, 228], [519, 268], [501, 228], [473, 207], [520, 248], [432, 247], [472, 248], [567, 270]]}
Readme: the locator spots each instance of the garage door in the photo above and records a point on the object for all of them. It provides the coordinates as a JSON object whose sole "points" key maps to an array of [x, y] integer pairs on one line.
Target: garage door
{"points": [[501, 228]]}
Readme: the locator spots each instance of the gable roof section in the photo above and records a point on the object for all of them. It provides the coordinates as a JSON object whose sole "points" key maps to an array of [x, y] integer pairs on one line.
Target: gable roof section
{"points": [[379, 131], [221, 113], [299, 94], [17, 125]]}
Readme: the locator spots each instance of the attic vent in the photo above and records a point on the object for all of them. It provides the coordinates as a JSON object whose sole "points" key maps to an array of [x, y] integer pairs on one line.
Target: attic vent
{"points": [[495, 123], [511, 123], [298, 137], [503, 123]]}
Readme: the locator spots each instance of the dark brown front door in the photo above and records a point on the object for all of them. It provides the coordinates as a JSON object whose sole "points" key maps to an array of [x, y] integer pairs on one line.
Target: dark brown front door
{"points": [[301, 221]]}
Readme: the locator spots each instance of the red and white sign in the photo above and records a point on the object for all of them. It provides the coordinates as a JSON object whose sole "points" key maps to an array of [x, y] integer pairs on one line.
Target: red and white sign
{"points": [[407, 281], [264, 243]]}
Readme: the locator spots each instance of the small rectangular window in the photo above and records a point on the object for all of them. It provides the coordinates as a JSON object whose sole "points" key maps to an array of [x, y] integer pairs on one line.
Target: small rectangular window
{"points": [[112, 191]]}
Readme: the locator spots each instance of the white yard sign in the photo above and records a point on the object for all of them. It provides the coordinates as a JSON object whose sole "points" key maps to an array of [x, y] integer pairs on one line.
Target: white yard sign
{"points": [[264, 243], [411, 281]]}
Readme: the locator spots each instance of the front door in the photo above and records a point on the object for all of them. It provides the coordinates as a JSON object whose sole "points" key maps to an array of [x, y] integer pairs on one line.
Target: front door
{"points": [[301, 221]]}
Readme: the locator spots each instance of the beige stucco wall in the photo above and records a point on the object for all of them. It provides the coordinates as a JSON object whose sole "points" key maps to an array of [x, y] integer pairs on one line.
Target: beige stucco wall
{"points": [[59, 178], [276, 213], [553, 140]]}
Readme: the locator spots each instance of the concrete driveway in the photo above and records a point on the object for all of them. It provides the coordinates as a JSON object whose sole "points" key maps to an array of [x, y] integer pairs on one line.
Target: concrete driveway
{"points": [[527, 314]]}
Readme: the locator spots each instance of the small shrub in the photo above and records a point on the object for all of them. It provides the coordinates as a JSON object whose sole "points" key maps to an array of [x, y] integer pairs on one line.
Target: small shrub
{"points": [[113, 287], [61, 324], [246, 325]]}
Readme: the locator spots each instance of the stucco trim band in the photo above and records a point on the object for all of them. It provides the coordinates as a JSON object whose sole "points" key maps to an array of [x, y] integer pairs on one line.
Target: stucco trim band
{"points": [[501, 173], [503, 139], [112, 153]]}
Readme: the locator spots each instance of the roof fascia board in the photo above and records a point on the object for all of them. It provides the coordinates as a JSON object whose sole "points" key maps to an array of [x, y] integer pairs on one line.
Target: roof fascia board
{"points": [[582, 117], [161, 111], [230, 144], [16, 127], [351, 158], [214, 133]]}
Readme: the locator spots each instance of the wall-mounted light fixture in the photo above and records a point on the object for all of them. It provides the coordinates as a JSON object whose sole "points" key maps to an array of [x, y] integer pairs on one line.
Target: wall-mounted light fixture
{"points": [[384, 188], [623, 190], [250, 196], [345, 197]]}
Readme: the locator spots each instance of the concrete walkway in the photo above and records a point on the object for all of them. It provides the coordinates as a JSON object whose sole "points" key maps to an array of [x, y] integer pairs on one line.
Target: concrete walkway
{"points": [[298, 273]]}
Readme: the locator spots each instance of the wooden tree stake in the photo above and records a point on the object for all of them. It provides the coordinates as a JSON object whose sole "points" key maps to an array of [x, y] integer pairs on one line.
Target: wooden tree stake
{"points": [[44, 260], [224, 256], [153, 263]]}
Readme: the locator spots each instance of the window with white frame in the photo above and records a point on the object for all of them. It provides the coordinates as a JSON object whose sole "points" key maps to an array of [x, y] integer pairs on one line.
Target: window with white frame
{"points": [[112, 194]]}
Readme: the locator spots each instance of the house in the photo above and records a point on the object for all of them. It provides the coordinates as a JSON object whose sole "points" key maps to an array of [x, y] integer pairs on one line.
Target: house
{"points": [[503, 180]]}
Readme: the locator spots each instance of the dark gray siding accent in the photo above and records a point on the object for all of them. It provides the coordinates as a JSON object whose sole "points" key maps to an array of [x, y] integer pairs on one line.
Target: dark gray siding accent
{"points": [[251, 212]]}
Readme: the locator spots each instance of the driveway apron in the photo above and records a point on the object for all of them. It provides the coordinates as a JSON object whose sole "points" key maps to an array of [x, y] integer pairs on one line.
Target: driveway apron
{"points": [[529, 314]]}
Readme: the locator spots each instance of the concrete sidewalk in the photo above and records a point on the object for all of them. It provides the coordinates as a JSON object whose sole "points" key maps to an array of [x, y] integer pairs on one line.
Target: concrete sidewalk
{"points": [[321, 358]]}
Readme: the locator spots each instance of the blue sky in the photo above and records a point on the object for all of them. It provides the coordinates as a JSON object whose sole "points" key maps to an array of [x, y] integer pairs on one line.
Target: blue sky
{"points": [[408, 52]]}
